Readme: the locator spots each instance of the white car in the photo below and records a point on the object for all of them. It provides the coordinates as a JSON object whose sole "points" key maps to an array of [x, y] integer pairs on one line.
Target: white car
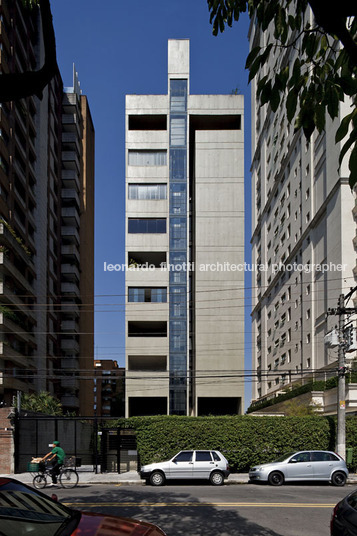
{"points": [[302, 465], [188, 464]]}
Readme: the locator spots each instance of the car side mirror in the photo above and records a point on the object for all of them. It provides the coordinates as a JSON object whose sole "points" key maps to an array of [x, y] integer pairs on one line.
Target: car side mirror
{"points": [[293, 460]]}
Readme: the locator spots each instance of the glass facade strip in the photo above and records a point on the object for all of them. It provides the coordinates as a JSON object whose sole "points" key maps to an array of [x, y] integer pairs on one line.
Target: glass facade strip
{"points": [[178, 360]]}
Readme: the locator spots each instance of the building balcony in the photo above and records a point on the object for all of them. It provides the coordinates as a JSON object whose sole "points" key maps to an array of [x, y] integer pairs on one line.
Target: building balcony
{"points": [[71, 137], [70, 195], [15, 357], [70, 271], [69, 326], [70, 345], [70, 401], [7, 267], [70, 160], [70, 383], [10, 325], [70, 179], [70, 216], [70, 232], [70, 289], [70, 309], [69, 363], [71, 252], [8, 296]]}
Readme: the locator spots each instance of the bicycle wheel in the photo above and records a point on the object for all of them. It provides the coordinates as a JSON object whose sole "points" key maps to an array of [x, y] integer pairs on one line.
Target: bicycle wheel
{"points": [[68, 478], [39, 481]]}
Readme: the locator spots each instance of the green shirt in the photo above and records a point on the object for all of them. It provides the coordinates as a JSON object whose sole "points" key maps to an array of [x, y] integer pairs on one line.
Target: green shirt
{"points": [[60, 453]]}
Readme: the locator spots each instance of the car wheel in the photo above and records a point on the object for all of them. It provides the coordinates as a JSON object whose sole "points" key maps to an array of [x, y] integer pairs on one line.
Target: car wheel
{"points": [[338, 479], [157, 478], [276, 478], [216, 478]]}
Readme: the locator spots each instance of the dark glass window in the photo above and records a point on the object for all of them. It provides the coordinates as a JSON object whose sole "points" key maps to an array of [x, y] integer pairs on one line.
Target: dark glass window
{"points": [[185, 456], [147, 225], [203, 456], [147, 294]]}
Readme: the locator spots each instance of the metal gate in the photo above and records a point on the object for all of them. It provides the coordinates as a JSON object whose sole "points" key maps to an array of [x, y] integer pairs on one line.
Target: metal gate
{"points": [[35, 434], [118, 453]]}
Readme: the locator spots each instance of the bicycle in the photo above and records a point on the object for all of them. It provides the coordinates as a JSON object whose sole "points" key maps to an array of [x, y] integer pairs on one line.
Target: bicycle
{"points": [[68, 477]]}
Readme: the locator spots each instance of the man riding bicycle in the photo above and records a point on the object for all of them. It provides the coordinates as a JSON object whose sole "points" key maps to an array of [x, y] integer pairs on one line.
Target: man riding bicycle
{"points": [[57, 454]]}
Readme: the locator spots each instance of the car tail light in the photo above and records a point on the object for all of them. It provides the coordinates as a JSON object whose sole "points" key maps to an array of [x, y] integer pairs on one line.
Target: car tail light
{"points": [[334, 515]]}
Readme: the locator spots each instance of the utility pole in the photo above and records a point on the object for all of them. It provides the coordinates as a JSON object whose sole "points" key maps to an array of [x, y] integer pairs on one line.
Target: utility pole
{"points": [[341, 311], [341, 386]]}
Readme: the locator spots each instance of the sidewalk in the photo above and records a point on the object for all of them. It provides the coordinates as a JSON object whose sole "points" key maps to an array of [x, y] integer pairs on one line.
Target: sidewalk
{"points": [[132, 478]]}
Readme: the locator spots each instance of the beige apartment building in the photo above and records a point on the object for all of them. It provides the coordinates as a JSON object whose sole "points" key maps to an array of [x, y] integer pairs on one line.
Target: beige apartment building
{"points": [[303, 232], [184, 249]]}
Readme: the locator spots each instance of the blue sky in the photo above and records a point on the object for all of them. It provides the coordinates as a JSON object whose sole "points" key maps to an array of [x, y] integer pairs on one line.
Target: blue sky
{"points": [[120, 47]]}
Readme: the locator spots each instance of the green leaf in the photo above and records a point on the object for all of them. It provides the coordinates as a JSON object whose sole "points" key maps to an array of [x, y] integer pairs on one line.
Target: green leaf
{"points": [[319, 117], [275, 99], [348, 85], [266, 93], [343, 128], [352, 164], [291, 103], [251, 56], [351, 140], [333, 101]]}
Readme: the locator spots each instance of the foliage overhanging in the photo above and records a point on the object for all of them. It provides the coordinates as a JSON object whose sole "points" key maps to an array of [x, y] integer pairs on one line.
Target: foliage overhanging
{"points": [[324, 72]]}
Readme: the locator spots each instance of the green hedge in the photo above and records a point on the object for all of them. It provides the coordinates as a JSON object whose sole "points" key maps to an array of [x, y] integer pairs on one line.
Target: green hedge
{"points": [[320, 385], [244, 440]]}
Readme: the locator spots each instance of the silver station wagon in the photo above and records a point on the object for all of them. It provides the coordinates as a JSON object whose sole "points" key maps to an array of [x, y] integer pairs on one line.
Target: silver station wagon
{"points": [[302, 465], [188, 464]]}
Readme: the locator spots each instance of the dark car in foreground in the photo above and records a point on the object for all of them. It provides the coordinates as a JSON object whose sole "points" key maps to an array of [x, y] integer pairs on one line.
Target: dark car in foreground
{"points": [[344, 516], [319, 465], [25, 511]]}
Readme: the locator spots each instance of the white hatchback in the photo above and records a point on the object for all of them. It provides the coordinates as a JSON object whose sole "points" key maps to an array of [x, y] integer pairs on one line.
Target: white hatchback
{"points": [[188, 464]]}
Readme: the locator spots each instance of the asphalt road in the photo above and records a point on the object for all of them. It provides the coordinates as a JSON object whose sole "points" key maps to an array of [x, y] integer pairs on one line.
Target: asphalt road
{"points": [[197, 510]]}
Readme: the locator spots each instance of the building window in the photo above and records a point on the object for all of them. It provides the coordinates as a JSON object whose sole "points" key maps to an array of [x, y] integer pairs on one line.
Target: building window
{"points": [[147, 225], [178, 131], [147, 158], [147, 191], [147, 294]]}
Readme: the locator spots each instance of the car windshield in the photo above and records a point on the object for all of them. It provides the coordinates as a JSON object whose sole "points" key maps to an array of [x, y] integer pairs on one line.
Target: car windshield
{"points": [[23, 511], [283, 457]]}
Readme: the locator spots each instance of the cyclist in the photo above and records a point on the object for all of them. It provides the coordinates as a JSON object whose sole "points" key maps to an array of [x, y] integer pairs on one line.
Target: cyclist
{"points": [[57, 454]]}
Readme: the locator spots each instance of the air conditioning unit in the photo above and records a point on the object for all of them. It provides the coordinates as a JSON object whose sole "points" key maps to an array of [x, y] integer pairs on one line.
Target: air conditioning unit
{"points": [[331, 338]]}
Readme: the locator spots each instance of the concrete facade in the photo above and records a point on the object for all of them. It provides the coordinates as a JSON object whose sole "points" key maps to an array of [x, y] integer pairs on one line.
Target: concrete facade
{"points": [[302, 220], [184, 230]]}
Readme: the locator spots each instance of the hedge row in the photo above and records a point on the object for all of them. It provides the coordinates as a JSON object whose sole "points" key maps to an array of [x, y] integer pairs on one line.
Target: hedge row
{"points": [[244, 440], [320, 385]]}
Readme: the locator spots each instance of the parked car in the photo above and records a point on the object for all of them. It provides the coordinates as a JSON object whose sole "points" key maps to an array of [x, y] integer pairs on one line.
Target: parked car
{"points": [[302, 465], [188, 464], [344, 516], [26, 511]]}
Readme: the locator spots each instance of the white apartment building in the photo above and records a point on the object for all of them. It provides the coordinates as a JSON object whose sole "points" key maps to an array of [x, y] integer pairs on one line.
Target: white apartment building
{"points": [[184, 233], [302, 219]]}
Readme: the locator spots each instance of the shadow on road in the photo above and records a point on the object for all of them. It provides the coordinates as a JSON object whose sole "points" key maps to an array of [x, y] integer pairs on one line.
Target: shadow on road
{"points": [[190, 519]]}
